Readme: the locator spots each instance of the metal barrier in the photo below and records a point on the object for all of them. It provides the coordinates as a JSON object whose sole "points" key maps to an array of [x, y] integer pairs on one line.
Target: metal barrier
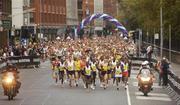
{"points": [[25, 61], [153, 61], [174, 82]]}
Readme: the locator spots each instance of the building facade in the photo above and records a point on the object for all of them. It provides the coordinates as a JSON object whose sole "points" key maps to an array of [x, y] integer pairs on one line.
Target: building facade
{"points": [[85, 8], [17, 14], [5, 22], [71, 12], [5, 9], [45, 17], [110, 7], [98, 8]]}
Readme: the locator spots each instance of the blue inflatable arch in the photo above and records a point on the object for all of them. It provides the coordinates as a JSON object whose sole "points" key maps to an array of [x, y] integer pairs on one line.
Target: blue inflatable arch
{"points": [[105, 17]]}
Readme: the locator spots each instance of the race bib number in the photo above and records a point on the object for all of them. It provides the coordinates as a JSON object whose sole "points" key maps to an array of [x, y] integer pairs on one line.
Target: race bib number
{"points": [[69, 68], [88, 72], [118, 74]]}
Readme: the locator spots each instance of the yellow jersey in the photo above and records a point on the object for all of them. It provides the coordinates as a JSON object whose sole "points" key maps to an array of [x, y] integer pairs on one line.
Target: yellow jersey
{"points": [[77, 65], [88, 71]]}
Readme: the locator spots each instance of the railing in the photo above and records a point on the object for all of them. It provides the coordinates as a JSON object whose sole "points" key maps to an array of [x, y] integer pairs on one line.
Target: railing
{"points": [[153, 60], [174, 82], [175, 55], [25, 61], [21, 61]]}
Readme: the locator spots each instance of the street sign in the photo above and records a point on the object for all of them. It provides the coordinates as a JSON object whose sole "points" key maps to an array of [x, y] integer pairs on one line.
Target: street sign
{"points": [[156, 36], [6, 24]]}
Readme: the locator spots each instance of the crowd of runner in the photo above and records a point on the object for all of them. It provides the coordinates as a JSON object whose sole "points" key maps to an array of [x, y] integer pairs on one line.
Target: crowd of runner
{"points": [[104, 58]]}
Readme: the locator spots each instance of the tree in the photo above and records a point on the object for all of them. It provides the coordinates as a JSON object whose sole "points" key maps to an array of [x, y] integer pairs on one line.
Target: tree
{"points": [[145, 14]]}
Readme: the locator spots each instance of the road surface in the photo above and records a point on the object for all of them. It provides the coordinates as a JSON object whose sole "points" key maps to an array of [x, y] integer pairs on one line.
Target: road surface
{"points": [[38, 88]]}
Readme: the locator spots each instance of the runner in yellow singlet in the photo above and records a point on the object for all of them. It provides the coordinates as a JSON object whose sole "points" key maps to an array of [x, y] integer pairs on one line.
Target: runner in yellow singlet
{"points": [[77, 64]]}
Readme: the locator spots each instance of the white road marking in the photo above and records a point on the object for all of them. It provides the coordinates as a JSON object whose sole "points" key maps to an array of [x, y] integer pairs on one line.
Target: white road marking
{"points": [[137, 62], [152, 94], [128, 96], [155, 85], [153, 98], [134, 71], [133, 77]]}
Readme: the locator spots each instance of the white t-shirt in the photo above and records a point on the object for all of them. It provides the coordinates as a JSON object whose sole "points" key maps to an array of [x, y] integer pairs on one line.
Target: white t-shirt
{"points": [[71, 65], [118, 72]]}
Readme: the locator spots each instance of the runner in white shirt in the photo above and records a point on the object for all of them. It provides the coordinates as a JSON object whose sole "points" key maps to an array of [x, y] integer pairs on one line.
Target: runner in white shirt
{"points": [[118, 74]]}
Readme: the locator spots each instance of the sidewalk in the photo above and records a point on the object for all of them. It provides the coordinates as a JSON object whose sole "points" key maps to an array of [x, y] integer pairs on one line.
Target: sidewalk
{"points": [[175, 68]]}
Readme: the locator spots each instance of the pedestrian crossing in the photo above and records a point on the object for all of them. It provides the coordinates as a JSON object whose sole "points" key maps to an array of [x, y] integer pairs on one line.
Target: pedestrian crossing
{"points": [[154, 98], [155, 85], [153, 95]]}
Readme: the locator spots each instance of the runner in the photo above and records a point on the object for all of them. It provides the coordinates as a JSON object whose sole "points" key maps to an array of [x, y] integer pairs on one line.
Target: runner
{"points": [[55, 64], [125, 72], [104, 70], [114, 64], [61, 71], [88, 76], [70, 70], [118, 74], [94, 72], [77, 64]]}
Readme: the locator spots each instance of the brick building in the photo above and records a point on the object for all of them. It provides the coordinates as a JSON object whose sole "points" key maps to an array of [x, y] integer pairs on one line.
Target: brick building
{"points": [[85, 8], [5, 12], [48, 16], [110, 7]]}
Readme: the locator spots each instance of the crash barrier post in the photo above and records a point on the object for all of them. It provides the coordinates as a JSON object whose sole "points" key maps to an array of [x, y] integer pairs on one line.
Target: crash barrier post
{"points": [[25, 61], [173, 80]]}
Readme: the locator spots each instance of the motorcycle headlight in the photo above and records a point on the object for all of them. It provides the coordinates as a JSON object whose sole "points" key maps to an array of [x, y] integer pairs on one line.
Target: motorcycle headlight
{"points": [[145, 79], [9, 80]]}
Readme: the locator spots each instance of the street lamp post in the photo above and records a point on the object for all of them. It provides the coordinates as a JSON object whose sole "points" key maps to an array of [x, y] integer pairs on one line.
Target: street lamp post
{"points": [[40, 19], [117, 9], [170, 43], [161, 25]]}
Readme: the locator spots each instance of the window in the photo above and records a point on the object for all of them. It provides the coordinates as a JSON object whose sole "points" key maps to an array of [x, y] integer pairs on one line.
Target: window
{"points": [[49, 9], [79, 4], [45, 10], [25, 2], [31, 17], [53, 9], [63, 11], [31, 3], [0, 5], [60, 10], [56, 9]]}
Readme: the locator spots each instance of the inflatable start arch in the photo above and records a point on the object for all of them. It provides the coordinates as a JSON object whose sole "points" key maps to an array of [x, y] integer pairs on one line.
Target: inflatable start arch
{"points": [[105, 17]]}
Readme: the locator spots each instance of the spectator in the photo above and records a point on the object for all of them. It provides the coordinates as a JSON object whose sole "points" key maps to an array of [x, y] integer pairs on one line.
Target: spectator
{"points": [[164, 68], [16, 50], [149, 53]]}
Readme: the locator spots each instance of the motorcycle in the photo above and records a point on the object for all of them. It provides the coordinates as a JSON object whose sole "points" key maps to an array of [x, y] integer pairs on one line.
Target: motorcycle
{"points": [[10, 83], [145, 81]]}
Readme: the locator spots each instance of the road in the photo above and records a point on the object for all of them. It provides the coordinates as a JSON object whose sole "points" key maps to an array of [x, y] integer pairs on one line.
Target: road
{"points": [[38, 88]]}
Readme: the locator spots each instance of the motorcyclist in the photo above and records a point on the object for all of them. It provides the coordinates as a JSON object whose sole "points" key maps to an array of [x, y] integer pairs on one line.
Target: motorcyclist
{"points": [[14, 70], [145, 65]]}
